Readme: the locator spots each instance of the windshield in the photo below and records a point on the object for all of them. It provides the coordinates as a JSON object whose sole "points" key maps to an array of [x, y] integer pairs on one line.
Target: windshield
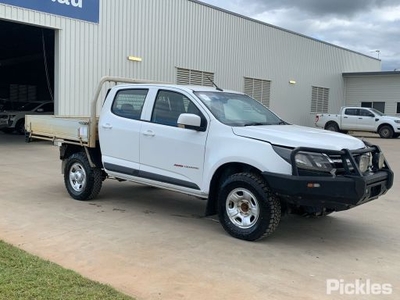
{"points": [[238, 109]]}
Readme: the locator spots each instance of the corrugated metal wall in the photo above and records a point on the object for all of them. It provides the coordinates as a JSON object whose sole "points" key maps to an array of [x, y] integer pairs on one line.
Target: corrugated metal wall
{"points": [[374, 89], [168, 34]]}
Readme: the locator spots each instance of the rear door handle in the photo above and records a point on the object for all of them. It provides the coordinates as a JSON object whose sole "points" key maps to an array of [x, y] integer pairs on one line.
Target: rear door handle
{"points": [[107, 126], [149, 133]]}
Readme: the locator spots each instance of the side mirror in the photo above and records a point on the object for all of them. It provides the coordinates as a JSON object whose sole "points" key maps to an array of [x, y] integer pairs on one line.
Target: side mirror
{"points": [[190, 121]]}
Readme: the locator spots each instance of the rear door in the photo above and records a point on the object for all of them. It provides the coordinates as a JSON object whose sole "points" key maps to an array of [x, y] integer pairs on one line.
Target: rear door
{"points": [[350, 119], [119, 130]]}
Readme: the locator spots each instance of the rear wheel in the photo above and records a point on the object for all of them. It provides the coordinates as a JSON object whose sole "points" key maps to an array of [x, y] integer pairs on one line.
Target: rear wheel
{"points": [[81, 180], [332, 126], [386, 132], [246, 209]]}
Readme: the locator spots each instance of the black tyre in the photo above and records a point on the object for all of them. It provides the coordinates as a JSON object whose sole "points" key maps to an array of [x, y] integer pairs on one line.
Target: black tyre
{"points": [[7, 130], [386, 132], [81, 180], [246, 209], [332, 126], [20, 126]]}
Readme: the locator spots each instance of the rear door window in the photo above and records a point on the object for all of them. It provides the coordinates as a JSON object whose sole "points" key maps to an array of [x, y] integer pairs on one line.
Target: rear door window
{"points": [[129, 103], [351, 112]]}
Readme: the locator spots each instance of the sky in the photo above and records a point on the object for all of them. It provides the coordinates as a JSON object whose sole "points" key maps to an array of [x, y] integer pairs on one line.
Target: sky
{"points": [[370, 27]]}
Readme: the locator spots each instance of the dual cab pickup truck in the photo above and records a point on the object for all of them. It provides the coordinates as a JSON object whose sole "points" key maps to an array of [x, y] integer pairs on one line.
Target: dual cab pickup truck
{"points": [[360, 119], [222, 146]]}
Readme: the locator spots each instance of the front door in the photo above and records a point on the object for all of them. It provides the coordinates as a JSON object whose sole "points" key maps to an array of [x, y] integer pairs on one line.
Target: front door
{"points": [[366, 120], [170, 154]]}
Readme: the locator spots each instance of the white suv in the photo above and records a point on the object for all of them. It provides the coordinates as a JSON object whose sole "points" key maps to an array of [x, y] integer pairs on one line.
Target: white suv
{"points": [[15, 119]]}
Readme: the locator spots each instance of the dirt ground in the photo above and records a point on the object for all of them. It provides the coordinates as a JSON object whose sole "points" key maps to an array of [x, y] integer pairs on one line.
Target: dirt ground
{"points": [[153, 244]]}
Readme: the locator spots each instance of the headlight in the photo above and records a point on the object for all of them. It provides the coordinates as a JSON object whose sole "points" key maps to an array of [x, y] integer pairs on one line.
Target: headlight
{"points": [[311, 161], [12, 117], [364, 162], [314, 161], [378, 160]]}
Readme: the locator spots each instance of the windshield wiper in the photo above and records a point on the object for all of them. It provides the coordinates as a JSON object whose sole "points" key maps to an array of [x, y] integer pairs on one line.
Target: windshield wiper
{"points": [[256, 124]]}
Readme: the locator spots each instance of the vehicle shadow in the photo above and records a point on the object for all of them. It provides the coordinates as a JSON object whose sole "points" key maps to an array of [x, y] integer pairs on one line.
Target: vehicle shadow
{"points": [[296, 231]]}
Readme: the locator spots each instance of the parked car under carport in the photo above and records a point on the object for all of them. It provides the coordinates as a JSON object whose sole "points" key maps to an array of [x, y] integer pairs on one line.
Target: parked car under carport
{"points": [[14, 120]]}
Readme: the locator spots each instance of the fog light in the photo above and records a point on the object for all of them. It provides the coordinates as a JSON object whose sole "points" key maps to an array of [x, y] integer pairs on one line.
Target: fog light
{"points": [[378, 160], [364, 163]]}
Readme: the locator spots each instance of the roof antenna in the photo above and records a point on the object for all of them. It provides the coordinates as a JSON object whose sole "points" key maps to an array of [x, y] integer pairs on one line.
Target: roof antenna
{"points": [[216, 86]]}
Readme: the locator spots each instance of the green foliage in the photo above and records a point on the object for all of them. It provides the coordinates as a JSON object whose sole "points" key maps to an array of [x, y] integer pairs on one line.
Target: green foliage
{"points": [[24, 276]]}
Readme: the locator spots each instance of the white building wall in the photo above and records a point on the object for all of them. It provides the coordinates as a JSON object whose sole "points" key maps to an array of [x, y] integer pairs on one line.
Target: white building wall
{"points": [[168, 34], [374, 88]]}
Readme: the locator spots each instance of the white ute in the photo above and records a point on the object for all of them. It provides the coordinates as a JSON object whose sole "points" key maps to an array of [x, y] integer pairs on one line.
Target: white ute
{"points": [[222, 146], [360, 119]]}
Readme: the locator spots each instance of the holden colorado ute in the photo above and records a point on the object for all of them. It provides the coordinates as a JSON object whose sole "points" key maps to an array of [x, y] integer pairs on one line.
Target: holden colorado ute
{"points": [[360, 119], [219, 145]]}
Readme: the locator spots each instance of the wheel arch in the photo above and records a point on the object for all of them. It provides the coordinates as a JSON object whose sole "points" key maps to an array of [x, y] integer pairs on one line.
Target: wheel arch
{"points": [[385, 124], [331, 123], [19, 120], [19, 125], [219, 176], [94, 154]]}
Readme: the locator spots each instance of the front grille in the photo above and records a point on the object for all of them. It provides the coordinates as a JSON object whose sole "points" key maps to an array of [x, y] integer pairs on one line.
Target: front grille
{"points": [[344, 165], [345, 162]]}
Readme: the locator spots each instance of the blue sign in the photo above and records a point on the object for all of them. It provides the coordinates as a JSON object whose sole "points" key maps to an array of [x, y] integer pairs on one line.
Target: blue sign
{"points": [[87, 10]]}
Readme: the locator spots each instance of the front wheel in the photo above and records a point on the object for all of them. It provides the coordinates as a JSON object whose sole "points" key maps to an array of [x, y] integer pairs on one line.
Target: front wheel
{"points": [[386, 132], [20, 127], [247, 210], [81, 180]]}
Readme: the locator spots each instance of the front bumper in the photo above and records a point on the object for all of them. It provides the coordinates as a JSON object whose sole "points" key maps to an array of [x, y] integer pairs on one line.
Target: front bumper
{"points": [[335, 192], [5, 122]]}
